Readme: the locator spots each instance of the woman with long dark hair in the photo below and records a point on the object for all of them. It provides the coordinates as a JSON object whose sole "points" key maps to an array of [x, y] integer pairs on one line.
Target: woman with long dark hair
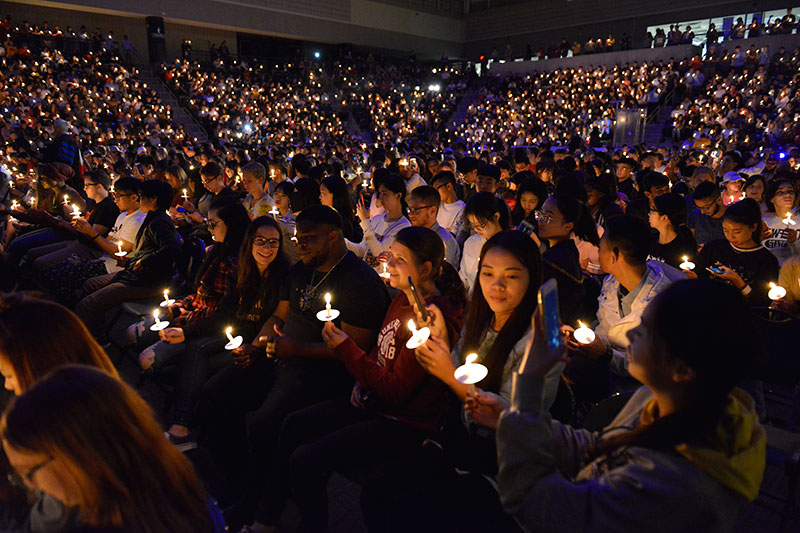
{"points": [[674, 241], [334, 192], [487, 215], [530, 197], [90, 442], [395, 403], [435, 484], [379, 231], [688, 443]]}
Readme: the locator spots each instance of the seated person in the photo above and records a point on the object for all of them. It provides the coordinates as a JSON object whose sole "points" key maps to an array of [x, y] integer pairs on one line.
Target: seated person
{"points": [[706, 221], [101, 217], [423, 209], [380, 230], [394, 405], [257, 202], [487, 215], [674, 240], [780, 199], [147, 269], [65, 280], [740, 259], [688, 443]]}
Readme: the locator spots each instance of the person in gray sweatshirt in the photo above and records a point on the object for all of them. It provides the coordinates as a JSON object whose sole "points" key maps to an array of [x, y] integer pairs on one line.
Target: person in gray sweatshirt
{"points": [[684, 454]]}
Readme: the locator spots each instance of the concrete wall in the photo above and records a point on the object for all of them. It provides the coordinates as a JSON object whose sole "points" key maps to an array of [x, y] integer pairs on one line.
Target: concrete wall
{"points": [[525, 22], [360, 22]]}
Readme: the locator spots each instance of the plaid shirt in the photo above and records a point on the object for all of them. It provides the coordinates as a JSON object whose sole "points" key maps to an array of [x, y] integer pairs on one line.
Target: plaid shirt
{"points": [[217, 281]]}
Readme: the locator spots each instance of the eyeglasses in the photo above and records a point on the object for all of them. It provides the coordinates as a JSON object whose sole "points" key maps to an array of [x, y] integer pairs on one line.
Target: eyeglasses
{"points": [[479, 227], [87, 185], [209, 180], [706, 208], [24, 481], [116, 195], [212, 223], [437, 187], [415, 210], [544, 218], [262, 242]]}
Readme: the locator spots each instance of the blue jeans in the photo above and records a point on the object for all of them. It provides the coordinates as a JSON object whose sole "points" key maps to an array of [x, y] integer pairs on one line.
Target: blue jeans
{"points": [[34, 239]]}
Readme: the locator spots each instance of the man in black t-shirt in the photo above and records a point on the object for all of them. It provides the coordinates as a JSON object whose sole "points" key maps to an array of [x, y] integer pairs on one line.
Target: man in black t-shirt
{"points": [[101, 218]]}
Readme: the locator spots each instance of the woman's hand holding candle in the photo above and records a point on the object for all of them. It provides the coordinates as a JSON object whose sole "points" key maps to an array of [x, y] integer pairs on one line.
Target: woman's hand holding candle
{"points": [[434, 357], [332, 335], [172, 335], [485, 408]]}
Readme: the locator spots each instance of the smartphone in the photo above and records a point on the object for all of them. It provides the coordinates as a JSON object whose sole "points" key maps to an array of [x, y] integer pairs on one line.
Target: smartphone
{"points": [[526, 228], [715, 270], [179, 209], [140, 169], [548, 309]]}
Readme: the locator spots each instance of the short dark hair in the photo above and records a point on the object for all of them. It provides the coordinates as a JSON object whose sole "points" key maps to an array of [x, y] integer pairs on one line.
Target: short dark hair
{"points": [[160, 190], [128, 184], [445, 177], [654, 180], [320, 215], [100, 176], [491, 171], [427, 194], [706, 190], [467, 165], [630, 237], [212, 169]]}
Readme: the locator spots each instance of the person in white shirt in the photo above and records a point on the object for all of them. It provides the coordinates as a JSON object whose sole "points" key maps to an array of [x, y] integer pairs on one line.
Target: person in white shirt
{"points": [[423, 206], [409, 171], [451, 209], [487, 215], [380, 230]]}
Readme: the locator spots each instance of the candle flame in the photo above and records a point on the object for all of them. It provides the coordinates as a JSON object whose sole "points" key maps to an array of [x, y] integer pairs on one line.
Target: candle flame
{"points": [[411, 326], [228, 330], [471, 358], [685, 258], [155, 314], [581, 324], [327, 297], [771, 285]]}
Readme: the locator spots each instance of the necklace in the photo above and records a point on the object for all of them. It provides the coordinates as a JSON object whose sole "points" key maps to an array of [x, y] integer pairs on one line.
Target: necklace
{"points": [[309, 294]]}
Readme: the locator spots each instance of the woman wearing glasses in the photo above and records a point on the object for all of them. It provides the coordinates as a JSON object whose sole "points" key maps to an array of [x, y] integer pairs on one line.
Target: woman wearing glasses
{"points": [[187, 345]]}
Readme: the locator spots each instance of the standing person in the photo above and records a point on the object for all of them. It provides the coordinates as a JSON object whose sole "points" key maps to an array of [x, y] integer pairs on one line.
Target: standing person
{"points": [[395, 403], [423, 210], [674, 240], [697, 434], [135, 481], [147, 269], [487, 215], [780, 199], [65, 149]]}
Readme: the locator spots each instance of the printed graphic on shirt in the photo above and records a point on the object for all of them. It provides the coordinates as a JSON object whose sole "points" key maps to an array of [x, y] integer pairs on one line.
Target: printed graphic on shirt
{"points": [[386, 342], [779, 238]]}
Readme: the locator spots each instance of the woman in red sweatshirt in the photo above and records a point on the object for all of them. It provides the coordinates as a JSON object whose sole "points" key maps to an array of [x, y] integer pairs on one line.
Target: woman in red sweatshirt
{"points": [[394, 405]]}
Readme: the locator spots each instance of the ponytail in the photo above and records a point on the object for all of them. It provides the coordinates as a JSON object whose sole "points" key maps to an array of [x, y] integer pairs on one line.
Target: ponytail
{"points": [[574, 211], [449, 284]]}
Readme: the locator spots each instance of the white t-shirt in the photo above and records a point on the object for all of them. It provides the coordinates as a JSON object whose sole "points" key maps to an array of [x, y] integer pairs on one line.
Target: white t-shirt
{"points": [[413, 182], [451, 216], [125, 228], [470, 259], [778, 241]]}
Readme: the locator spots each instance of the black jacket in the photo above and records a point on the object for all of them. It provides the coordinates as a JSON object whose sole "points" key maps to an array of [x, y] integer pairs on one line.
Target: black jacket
{"points": [[156, 249]]}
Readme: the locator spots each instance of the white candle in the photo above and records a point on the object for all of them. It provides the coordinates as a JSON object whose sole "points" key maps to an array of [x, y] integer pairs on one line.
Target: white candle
{"points": [[788, 220], [185, 195], [160, 324], [583, 334], [686, 265], [14, 205], [776, 292], [66, 199], [294, 235], [418, 336], [76, 213], [120, 253], [167, 300], [233, 342], [155, 315], [274, 212], [385, 274], [327, 314], [470, 372]]}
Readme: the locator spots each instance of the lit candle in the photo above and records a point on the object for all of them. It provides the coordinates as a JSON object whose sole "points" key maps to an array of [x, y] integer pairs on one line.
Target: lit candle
{"points": [[167, 300], [76, 213], [274, 212], [185, 195], [776, 292], [160, 324], [686, 265], [120, 252], [418, 336], [14, 205], [294, 235], [788, 220], [470, 372], [385, 273], [583, 334], [233, 342], [66, 199], [327, 314]]}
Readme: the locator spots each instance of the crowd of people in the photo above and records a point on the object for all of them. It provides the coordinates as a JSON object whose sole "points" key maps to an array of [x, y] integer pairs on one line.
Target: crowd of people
{"points": [[311, 302]]}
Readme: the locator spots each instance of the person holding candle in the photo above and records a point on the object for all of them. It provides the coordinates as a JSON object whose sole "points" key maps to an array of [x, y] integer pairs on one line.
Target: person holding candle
{"points": [[434, 484], [688, 443], [395, 402], [101, 218], [780, 199], [487, 215], [306, 371], [145, 271], [740, 260], [380, 230], [135, 481], [64, 280], [674, 241]]}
